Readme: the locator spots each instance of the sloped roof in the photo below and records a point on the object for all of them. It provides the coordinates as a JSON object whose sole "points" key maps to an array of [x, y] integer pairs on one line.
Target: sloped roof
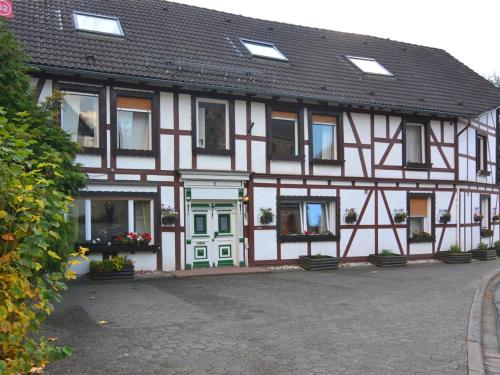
{"points": [[194, 46]]}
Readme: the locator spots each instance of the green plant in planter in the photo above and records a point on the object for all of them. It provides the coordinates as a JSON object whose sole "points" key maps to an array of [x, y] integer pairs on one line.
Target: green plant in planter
{"points": [[482, 246], [495, 218], [116, 264], [486, 232], [496, 244], [445, 217], [422, 235], [387, 253], [400, 217], [266, 215], [350, 216], [455, 249]]}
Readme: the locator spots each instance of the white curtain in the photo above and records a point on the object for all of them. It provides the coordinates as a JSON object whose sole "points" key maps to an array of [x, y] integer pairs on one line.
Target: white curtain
{"points": [[71, 115], [414, 144], [142, 216], [323, 142], [134, 130], [201, 126]]}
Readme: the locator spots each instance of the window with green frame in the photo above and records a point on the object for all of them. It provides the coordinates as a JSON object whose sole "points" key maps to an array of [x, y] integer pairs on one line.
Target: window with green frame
{"points": [[200, 224], [224, 223]]}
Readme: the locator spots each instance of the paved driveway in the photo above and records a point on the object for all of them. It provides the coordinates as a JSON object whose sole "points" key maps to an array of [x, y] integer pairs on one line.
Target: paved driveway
{"points": [[366, 320]]}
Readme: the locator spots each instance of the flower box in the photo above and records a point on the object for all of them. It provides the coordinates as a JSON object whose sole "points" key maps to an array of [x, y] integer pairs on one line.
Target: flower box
{"points": [[454, 257], [486, 232], [168, 220], [109, 269], [117, 248], [125, 273], [169, 216], [266, 216], [393, 260], [319, 262], [484, 254], [307, 237], [445, 218]]}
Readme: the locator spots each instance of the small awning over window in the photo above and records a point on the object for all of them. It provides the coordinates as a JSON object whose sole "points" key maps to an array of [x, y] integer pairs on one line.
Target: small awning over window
{"points": [[287, 115], [324, 119], [134, 103], [418, 206]]}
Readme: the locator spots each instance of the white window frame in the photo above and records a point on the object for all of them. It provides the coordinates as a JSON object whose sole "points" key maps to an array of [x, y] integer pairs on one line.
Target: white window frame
{"points": [[295, 130], [383, 71], [423, 140], [427, 225], [150, 124], [98, 16], [483, 142], [131, 215], [98, 130], [329, 208], [335, 140], [215, 101], [484, 209], [279, 55]]}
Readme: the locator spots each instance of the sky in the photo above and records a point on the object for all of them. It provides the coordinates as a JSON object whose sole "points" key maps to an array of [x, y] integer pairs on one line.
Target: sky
{"points": [[468, 29]]}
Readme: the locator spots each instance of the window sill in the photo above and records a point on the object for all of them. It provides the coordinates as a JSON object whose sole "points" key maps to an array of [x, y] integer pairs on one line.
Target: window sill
{"points": [[306, 238], [115, 248], [328, 162], [207, 151], [286, 158], [421, 239], [91, 151], [483, 173], [417, 166], [122, 152]]}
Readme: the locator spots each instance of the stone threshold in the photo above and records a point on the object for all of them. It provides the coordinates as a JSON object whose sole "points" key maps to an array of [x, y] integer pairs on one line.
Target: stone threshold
{"points": [[214, 271]]}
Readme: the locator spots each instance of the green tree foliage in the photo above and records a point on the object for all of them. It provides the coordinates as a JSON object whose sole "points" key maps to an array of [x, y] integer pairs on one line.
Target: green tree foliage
{"points": [[38, 176]]}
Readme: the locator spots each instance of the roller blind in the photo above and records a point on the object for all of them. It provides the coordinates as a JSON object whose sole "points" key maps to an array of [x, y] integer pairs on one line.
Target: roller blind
{"points": [[134, 103], [324, 119], [418, 206], [287, 115]]}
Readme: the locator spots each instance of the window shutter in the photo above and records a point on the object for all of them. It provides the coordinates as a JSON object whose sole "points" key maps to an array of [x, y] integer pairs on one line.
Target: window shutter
{"points": [[287, 115], [418, 206], [134, 103], [325, 119]]}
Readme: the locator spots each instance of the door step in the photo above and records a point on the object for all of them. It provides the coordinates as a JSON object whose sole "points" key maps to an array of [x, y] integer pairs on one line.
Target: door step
{"points": [[219, 271]]}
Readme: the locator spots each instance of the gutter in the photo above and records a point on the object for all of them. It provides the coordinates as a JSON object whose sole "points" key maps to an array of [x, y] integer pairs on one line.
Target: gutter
{"points": [[166, 82]]}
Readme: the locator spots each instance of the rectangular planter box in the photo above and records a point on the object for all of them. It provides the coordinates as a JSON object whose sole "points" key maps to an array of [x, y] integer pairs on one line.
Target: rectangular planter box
{"points": [[498, 252], [447, 257], [488, 254], [125, 273], [388, 260], [114, 249], [315, 264]]}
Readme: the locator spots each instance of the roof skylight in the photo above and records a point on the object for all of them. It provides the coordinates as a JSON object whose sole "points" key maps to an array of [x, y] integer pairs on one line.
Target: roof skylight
{"points": [[97, 23], [263, 49], [369, 65]]}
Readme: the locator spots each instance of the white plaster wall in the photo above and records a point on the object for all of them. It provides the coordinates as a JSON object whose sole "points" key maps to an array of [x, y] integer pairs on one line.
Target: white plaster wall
{"points": [[265, 245], [240, 117], [293, 192], [264, 198], [168, 250], [449, 132], [394, 123], [258, 113], [214, 162], [326, 170], [420, 248], [387, 241], [292, 250], [185, 112], [135, 162], [258, 157], [362, 123], [185, 162], [166, 110], [167, 196], [352, 162], [89, 161], [396, 201], [363, 243], [285, 167], [324, 248], [46, 91], [380, 122], [241, 155], [166, 152]]}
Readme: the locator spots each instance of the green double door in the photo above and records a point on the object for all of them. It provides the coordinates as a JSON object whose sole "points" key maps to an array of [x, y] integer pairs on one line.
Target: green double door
{"points": [[213, 234]]}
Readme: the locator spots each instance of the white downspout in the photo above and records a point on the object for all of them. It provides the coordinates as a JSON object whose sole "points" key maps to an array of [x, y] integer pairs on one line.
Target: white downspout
{"points": [[457, 205]]}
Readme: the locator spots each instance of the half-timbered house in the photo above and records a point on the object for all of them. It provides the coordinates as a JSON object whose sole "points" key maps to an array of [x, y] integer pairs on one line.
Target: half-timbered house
{"points": [[270, 140]]}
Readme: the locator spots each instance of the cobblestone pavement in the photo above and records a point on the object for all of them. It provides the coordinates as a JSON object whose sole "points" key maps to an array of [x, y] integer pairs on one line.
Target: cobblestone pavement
{"points": [[364, 320]]}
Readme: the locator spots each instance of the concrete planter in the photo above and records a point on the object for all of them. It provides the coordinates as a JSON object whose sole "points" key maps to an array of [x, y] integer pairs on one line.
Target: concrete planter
{"points": [[488, 254], [447, 257], [125, 273], [498, 252], [313, 263], [388, 260]]}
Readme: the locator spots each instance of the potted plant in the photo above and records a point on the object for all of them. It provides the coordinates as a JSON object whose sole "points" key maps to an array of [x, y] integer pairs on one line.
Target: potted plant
{"points": [[486, 232], [319, 262], [350, 216], [495, 217], [117, 267], [131, 242], [484, 253], [266, 215], [168, 216], [445, 217], [496, 244], [400, 216], [478, 217], [388, 258], [454, 255], [133, 238]]}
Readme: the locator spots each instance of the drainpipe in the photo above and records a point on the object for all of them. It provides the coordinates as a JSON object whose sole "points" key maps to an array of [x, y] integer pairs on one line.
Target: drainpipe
{"points": [[457, 205]]}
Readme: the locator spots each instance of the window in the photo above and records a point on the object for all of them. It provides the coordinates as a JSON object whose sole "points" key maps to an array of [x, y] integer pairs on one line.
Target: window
{"points": [[263, 49], [420, 222], [309, 217], [200, 224], [481, 153], [134, 123], [224, 223], [415, 142], [484, 210], [80, 118], [212, 124], [97, 24], [369, 65], [284, 134], [101, 220], [324, 137]]}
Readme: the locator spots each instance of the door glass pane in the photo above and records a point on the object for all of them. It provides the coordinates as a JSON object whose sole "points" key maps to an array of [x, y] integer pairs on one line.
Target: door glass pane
{"points": [[323, 142], [316, 217], [414, 143], [212, 126], [283, 137], [224, 223], [142, 216], [80, 118], [77, 219], [109, 219], [200, 224], [134, 130], [290, 218]]}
